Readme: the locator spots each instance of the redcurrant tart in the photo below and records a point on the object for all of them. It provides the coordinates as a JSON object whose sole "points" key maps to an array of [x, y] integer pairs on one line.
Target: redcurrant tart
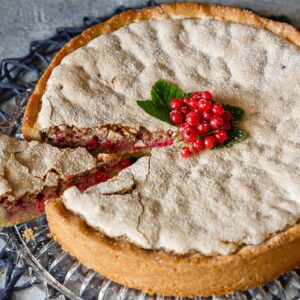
{"points": [[176, 104], [176, 117], [210, 142]]}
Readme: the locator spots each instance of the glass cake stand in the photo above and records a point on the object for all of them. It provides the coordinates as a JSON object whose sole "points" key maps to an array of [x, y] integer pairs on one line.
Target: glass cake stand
{"points": [[71, 279]]}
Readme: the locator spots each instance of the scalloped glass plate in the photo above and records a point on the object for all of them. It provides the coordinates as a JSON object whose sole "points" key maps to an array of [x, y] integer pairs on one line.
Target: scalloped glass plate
{"points": [[75, 281]]}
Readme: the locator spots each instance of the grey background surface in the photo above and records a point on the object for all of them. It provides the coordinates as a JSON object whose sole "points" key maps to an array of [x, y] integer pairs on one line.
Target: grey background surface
{"points": [[24, 20]]}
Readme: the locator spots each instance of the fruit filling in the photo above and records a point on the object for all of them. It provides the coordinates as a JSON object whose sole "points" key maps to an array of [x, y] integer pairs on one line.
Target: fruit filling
{"points": [[33, 204], [108, 139]]}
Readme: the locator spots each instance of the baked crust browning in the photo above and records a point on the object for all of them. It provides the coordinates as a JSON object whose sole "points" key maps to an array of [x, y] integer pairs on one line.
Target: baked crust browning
{"points": [[165, 11], [159, 272]]}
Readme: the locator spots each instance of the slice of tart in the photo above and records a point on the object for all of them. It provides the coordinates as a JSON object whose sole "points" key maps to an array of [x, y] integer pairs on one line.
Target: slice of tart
{"points": [[31, 173], [220, 221], [87, 96], [211, 224]]}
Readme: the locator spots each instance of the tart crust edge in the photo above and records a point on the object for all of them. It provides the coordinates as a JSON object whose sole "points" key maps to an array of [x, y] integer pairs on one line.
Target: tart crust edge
{"points": [[159, 272], [165, 11]]}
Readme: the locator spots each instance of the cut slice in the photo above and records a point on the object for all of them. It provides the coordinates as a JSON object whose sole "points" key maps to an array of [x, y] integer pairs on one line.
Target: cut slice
{"points": [[31, 173]]}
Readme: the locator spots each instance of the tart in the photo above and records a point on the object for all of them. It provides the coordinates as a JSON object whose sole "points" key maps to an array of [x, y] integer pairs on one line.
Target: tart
{"points": [[221, 221], [32, 172]]}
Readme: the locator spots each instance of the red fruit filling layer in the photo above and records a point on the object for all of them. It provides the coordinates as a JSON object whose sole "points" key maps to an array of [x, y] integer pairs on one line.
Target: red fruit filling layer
{"points": [[113, 139], [33, 204]]}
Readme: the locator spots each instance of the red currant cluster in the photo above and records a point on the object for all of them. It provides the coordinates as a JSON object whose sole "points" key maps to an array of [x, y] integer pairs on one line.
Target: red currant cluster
{"points": [[201, 123]]}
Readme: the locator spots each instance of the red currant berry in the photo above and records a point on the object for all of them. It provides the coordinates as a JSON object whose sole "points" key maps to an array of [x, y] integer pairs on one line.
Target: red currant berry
{"points": [[226, 116], [190, 135], [93, 143], [192, 118], [101, 176], [216, 122], [125, 163], [185, 110], [207, 95], [185, 152], [210, 142], [197, 112], [182, 128], [203, 128], [197, 96], [197, 146], [207, 115], [193, 103], [221, 136], [176, 104], [226, 126], [176, 117], [217, 109], [58, 135], [186, 100], [204, 105]]}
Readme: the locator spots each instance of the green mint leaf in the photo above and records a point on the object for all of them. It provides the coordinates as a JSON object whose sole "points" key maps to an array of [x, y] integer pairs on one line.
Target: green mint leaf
{"points": [[154, 110], [163, 92], [236, 135], [237, 113]]}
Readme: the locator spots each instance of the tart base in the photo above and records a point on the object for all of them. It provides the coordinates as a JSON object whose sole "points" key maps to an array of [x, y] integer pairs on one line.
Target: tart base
{"points": [[159, 272]]}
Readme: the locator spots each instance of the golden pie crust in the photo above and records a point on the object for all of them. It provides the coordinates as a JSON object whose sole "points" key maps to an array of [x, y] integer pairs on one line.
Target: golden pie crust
{"points": [[165, 11], [159, 272]]}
